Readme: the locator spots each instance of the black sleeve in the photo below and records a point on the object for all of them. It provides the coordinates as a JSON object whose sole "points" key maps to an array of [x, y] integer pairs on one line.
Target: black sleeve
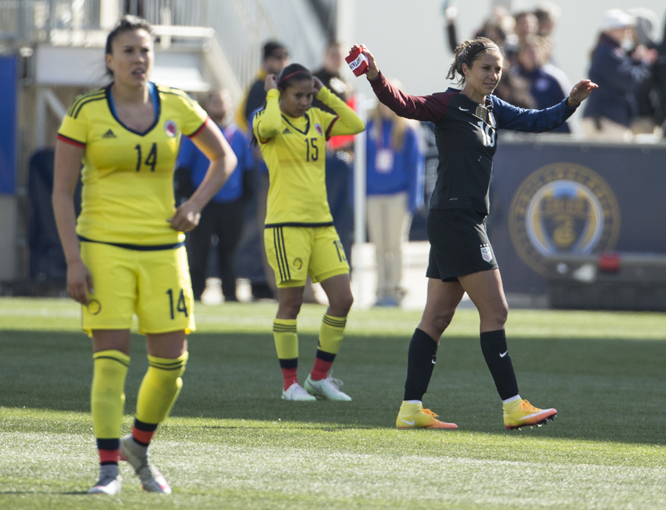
{"points": [[452, 36], [256, 98], [659, 77], [183, 187]]}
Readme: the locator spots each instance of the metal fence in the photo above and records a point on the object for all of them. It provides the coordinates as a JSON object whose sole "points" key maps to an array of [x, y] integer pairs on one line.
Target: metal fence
{"points": [[241, 26]]}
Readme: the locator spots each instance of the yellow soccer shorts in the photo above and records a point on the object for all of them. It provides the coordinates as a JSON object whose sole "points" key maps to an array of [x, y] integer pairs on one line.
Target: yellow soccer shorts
{"points": [[154, 285], [295, 253]]}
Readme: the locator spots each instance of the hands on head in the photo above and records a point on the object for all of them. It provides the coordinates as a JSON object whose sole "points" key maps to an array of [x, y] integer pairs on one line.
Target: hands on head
{"points": [[581, 90], [270, 82], [317, 84], [373, 71]]}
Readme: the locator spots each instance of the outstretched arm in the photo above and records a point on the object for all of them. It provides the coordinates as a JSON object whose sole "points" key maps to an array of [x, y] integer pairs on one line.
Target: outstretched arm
{"points": [[425, 108], [579, 93], [539, 121]]}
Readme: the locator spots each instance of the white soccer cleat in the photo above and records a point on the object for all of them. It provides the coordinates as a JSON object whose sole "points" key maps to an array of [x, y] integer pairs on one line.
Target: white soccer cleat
{"points": [[151, 479], [108, 485], [327, 389], [296, 392]]}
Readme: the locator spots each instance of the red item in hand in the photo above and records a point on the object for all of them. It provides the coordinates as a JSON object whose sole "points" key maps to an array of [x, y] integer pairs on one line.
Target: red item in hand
{"points": [[357, 62]]}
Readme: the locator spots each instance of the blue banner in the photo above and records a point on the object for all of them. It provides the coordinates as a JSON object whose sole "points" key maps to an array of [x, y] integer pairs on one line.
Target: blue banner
{"points": [[552, 197], [8, 106]]}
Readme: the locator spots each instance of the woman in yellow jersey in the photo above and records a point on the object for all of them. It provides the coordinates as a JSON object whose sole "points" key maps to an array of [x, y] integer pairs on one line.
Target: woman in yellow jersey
{"points": [[299, 235], [125, 253]]}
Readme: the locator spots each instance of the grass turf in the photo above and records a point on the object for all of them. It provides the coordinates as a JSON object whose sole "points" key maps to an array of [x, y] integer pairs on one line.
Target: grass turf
{"points": [[232, 443]]}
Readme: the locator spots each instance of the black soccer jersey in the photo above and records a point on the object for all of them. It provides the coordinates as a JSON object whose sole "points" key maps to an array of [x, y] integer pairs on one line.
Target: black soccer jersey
{"points": [[466, 135]]}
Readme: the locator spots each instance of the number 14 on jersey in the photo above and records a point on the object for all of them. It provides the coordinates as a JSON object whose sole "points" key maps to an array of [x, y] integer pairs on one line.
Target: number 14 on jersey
{"points": [[151, 159]]}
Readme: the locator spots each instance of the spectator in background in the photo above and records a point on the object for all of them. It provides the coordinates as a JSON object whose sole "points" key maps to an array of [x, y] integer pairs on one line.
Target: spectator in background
{"points": [[339, 149], [275, 58], [525, 26], [498, 27], [548, 84], [395, 177], [512, 88], [610, 112], [659, 78], [547, 15], [330, 76], [645, 40], [223, 216]]}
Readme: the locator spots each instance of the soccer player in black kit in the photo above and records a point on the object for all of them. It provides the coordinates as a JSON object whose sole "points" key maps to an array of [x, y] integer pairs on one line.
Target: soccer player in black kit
{"points": [[461, 257]]}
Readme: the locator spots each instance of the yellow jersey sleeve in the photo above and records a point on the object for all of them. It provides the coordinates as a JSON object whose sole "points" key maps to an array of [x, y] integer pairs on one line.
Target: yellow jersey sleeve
{"points": [[193, 116], [345, 122], [74, 127], [269, 120]]}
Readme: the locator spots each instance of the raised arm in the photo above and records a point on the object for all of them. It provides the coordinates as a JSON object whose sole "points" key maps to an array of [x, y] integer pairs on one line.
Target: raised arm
{"points": [[347, 123], [424, 108], [271, 119]]}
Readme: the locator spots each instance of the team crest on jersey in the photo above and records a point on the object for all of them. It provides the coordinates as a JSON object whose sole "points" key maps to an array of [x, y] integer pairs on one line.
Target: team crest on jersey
{"points": [[170, 128], [486, 252], [318, 129], [298, 263], [94, 307]]}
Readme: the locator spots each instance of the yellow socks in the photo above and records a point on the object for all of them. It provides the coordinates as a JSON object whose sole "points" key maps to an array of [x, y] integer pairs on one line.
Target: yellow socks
{"points": [[160, 388], [107, 396], [286, 345], [330, 338]]}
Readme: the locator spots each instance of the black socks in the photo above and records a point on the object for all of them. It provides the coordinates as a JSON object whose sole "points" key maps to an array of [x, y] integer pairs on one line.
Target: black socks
{"points": [[496, 353], [420, 363]]}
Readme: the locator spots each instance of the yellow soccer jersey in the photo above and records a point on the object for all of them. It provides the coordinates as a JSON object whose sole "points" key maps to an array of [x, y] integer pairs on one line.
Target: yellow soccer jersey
{"points": [[294, 150], [127, 176]]}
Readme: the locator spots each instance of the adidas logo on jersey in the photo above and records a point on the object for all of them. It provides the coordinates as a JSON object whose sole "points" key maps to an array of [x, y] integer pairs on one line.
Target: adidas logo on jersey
{"points": [[286, 131], [109, 134]]}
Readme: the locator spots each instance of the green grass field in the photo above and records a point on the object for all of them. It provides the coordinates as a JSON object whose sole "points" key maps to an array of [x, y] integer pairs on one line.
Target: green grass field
{"points": [[231, 442]]}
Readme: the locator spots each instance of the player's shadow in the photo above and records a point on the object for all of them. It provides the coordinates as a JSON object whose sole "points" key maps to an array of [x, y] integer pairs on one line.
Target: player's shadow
{"points": [[606, 390]]}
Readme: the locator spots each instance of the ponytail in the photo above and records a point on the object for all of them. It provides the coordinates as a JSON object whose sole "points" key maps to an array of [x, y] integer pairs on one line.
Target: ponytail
{"points": [[466, 53]]}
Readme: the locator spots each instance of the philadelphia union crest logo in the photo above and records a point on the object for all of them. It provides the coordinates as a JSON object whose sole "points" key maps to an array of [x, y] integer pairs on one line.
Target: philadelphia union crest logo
{"points": [[563, 208]]}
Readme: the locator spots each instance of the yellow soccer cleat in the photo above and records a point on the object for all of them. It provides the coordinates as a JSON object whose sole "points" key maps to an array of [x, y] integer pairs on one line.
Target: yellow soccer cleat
{"points": [[521, 413], [413, 416]]}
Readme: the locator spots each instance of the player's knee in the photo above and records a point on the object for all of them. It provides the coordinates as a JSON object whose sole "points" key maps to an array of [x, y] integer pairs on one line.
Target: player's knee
{"points": [[289, 309], [438, 321], [341, 304], [443, 320], [498, 315]]}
